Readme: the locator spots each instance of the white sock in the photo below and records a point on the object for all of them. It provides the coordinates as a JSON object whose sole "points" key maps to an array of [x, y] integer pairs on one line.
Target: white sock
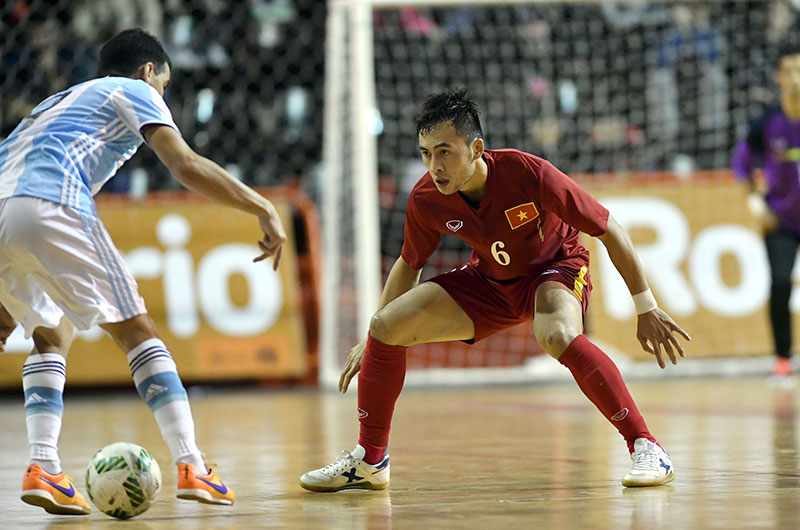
{"points": [[43, 378], [156, 378]]}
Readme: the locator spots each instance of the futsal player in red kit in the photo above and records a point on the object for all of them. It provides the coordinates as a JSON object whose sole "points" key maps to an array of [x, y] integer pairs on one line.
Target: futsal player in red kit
{"points": [[522, 217]]}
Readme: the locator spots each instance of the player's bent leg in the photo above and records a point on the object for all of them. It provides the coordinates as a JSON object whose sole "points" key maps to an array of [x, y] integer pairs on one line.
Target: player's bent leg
{"points": [[425, 313], [43, 377], [558, 317], [558, 327], [156, 378]]}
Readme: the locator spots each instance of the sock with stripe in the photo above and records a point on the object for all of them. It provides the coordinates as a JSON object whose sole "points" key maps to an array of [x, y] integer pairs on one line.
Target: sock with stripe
{"points": [[156, 378], [383, 371], [600, 380], [43, 378]]}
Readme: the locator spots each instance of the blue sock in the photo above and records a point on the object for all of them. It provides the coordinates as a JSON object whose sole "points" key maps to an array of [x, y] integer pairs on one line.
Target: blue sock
{"points": [[43, 378], [156, 378]]}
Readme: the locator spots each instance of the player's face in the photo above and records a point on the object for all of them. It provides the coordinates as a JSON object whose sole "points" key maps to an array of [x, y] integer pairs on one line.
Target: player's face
{"points": [[449, 159], [789, 76]]}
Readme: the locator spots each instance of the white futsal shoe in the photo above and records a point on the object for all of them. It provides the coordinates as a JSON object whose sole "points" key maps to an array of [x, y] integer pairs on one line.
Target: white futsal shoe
{"points": [[652, 465], [349, 471]]}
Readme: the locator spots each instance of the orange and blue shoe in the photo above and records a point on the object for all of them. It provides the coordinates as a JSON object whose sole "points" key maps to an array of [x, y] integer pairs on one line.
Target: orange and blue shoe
{"points": [[208, 488], [55, 493]]}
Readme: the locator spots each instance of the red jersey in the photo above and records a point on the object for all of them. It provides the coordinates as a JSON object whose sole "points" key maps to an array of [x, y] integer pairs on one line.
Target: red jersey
{"points": [[529, 217]]}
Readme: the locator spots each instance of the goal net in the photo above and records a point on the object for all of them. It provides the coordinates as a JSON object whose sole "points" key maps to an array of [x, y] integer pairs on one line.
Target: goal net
{"points": [[595, 87]]}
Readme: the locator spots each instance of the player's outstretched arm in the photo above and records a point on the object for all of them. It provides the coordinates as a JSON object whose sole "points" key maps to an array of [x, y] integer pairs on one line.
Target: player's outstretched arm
{"points": [[208, 179], [401, 278], [656, 331]]}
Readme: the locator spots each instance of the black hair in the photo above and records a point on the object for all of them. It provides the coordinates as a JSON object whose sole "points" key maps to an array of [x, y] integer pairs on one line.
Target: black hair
{"points": [[124, 53], [453, 106], [788, 48]]}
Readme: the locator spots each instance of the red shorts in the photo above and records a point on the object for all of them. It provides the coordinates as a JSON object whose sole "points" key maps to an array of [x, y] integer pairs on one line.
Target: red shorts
{"points": [[494, 305]]}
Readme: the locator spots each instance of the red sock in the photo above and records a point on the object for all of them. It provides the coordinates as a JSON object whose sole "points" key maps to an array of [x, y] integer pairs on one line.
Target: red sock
{"points": [[599, 378], [380, 381]]}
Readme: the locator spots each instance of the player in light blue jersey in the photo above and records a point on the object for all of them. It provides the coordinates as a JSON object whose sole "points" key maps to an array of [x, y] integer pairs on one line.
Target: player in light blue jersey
{"points": [[59, 268]]}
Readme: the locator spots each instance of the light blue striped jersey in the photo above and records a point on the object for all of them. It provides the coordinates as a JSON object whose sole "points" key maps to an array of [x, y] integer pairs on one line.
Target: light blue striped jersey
{"points": [[75, 140]]}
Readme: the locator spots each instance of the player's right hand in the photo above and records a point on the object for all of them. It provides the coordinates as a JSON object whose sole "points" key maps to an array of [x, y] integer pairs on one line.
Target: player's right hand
{"points": [[656, 331], [353, 365], [274, 237]]}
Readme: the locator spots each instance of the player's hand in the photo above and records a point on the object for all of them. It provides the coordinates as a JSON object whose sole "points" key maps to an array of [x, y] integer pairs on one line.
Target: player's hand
{"points": [[274, 237], [353, 365], [759, 209], [656, 333]]}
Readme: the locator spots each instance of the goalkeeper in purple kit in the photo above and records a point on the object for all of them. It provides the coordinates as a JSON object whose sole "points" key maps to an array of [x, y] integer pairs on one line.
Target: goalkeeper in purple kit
{"points": [[773, 143]]}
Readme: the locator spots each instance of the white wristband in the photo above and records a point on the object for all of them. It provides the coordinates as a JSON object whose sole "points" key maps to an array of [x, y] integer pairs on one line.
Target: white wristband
{"points": [[644, 302]]}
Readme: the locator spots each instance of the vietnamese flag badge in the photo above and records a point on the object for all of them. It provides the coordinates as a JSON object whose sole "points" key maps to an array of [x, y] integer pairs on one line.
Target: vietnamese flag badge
{"points": [[522, 214]]}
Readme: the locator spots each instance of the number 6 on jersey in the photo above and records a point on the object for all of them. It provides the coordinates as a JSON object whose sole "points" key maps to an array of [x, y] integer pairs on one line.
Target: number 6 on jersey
{"points": [[499, 256]]}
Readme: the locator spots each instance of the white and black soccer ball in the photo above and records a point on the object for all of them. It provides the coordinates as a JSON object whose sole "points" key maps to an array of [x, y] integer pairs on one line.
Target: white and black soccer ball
{"points": [[123, 480]]}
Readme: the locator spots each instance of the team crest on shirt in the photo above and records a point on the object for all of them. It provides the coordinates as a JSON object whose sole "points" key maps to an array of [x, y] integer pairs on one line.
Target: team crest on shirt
{"points": [[521, 214], [455, 224]]}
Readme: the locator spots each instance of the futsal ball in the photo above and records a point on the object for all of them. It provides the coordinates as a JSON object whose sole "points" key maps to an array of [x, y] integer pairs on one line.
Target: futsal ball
{"points": [[123, 480]]}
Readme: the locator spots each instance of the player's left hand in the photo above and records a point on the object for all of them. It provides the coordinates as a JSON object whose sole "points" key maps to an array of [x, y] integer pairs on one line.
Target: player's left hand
{"points": [[353, 365], [656, 333]]}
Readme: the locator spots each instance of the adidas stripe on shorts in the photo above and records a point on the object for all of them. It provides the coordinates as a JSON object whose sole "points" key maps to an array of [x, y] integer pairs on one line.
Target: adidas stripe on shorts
{"points": [[56, 261]]}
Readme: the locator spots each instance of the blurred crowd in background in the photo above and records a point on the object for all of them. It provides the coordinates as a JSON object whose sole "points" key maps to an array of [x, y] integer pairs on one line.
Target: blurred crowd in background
{"points": [[247, 76], [611, 86]]}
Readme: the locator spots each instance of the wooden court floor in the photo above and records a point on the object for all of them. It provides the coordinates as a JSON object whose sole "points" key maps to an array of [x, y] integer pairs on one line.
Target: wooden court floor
{"points": [[488, 458]]}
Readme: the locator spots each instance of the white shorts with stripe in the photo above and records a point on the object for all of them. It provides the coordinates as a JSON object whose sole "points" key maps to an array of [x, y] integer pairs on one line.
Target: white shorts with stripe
{"points": [[56, 261]]}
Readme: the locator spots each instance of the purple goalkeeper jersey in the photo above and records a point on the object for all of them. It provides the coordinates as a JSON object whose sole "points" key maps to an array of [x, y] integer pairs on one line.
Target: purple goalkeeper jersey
{"points": [[773, 143]]}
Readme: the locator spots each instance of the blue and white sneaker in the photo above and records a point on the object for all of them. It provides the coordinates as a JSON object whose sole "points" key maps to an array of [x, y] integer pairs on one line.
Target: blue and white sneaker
{"points": [[349, 471], [652, 465]]}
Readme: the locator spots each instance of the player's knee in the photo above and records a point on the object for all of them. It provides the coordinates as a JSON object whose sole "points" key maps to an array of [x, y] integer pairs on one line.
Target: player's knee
{"points": [[6, 320], [378, 328], [556, 339], [53, 341], [382, 329], [132, 332]]}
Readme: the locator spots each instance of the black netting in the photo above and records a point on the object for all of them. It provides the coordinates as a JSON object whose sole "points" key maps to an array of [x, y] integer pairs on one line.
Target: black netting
{"points": [[247, 81]]}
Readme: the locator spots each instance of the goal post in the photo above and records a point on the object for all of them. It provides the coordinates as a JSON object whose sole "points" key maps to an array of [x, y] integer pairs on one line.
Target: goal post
{"points": [[351, 275]]}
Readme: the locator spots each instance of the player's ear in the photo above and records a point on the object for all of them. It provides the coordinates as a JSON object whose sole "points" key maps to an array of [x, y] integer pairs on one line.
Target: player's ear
{"points": [[145, 71], [477, 148]]}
